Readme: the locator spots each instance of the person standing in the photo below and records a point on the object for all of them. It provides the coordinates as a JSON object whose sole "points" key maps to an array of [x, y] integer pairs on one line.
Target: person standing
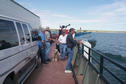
{"points": [[48, 39], [71, 42], [60, 30], [62, 45], [42, 46]]}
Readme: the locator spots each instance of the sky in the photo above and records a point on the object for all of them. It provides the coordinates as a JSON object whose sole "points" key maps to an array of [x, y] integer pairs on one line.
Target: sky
{"points": [[87, 14]]}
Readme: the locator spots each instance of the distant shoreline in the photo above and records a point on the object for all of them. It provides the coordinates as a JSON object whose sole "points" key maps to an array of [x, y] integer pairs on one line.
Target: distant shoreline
{"points": [[95, 31], [102, 31]]}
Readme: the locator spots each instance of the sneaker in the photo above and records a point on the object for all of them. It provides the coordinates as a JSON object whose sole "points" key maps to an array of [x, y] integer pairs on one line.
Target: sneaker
{"points": [[44, 62], [62, 59], [49, 60], [68, 71]]}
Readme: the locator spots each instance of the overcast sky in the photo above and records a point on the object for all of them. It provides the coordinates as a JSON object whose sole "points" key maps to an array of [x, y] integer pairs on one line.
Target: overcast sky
{"points": [[87, 14]]}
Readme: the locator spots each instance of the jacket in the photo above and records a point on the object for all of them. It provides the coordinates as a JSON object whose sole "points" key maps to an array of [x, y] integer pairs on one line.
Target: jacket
{"points": [[70, 41]]}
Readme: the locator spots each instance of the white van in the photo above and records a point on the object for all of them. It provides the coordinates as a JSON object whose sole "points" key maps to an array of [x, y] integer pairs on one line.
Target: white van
{"points": [[18, 53]]}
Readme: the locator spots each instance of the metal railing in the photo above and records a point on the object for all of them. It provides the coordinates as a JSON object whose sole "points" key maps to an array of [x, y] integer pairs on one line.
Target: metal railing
{"points": [[101, 64], [98, 61]]}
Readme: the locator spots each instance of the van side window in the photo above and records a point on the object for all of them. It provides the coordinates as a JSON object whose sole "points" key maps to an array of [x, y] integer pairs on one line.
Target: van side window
{"points": [[8, 35], [22, 39], [26, 32], [34, 33], [30, 28]]}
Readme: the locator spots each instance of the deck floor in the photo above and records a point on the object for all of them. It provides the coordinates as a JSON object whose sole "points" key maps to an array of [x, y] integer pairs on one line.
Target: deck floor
{"points": [[52, 73]]}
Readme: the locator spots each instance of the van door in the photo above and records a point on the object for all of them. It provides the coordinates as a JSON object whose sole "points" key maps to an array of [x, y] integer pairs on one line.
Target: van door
{"points": [[34, 49], [27, 46], [8, 39], [9, 47]]}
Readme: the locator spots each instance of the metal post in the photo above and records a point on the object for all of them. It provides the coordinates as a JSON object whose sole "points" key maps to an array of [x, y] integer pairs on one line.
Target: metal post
{"points": [[82, 49], [101, 64], [89, 55]]}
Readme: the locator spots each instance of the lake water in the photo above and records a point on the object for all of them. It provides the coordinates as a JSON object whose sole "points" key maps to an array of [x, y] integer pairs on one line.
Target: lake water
{"points": [[113, 45]]}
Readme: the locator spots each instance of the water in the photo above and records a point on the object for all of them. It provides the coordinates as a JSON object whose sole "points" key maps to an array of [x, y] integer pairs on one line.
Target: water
{"points": [[113, 45]]}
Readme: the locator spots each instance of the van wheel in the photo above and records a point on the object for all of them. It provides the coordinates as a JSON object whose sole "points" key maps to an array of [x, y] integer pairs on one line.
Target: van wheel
{"points": [[9, 80]]}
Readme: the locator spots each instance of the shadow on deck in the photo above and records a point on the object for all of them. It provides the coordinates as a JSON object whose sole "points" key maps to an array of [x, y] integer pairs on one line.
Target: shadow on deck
{"points": [[52, 73]]}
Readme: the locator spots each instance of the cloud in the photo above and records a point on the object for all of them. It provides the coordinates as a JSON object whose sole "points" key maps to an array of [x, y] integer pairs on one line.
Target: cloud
{"points": [[62, 16], [110, 16], [82, 21], [121, 9], [101, 17], [54, 20]]}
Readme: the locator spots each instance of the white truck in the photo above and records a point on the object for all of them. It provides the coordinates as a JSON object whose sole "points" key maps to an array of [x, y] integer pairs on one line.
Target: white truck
{"points": [[18, 52]]}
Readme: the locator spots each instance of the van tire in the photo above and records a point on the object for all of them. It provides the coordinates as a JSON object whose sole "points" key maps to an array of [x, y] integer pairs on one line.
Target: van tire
{"points": [[9, 80]]}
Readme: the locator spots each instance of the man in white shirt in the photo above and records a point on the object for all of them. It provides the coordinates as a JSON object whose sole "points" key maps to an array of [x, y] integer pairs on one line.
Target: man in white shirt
{"points": [[62, 41]]}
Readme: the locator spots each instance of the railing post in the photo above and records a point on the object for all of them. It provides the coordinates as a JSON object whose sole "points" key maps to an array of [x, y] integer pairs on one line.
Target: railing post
{"points": [[101, 65], [89, 55], [82, 49]]}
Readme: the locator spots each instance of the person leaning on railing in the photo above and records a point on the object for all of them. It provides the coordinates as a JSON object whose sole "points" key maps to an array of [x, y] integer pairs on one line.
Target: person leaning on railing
{"points": [[70, 42]]}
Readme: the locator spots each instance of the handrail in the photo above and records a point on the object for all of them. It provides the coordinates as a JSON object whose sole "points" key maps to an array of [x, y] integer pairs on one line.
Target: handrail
{"points": [[114, 75], [107, 70], [101, 63], [112, 61]]}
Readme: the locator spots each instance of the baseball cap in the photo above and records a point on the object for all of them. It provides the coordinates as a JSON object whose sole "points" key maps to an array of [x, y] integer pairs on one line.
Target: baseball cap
{"points": [[71, 29]]}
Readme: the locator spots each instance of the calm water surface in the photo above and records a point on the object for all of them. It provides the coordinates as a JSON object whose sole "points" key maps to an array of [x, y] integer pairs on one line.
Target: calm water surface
{"points": [[113, 45]]}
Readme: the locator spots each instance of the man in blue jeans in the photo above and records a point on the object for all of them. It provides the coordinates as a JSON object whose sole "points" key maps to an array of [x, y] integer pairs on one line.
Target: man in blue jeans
{"points": [[70, 46], [42, 46], [48, 39], [62, 46]]}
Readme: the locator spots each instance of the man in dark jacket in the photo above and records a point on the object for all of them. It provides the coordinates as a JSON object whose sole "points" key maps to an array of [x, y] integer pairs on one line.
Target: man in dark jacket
{"points": [[70, 45]]}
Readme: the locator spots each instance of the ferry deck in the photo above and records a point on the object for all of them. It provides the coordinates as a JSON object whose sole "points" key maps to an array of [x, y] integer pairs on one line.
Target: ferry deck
{"points": [[83, 71]]}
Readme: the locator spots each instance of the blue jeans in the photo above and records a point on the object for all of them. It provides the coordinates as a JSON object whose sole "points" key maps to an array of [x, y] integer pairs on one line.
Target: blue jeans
{"points": [[47, 50], [70, 55], [42, 55], [63, 50]]}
